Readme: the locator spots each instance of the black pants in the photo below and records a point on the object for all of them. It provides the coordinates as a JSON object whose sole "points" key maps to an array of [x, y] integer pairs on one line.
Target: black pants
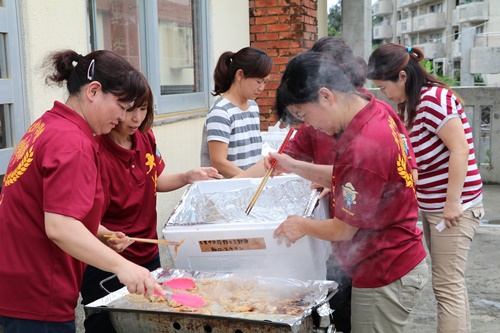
{"points": [[341, 301], [92, 291], [17, 325]]}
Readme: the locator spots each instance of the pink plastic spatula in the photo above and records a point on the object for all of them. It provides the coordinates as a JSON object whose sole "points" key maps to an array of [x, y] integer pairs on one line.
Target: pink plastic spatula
{"points": [[190, 300], [180, 283]]}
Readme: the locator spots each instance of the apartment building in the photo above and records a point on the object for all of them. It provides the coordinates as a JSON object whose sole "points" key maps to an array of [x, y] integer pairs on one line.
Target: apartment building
{"points": [[461, 37]]}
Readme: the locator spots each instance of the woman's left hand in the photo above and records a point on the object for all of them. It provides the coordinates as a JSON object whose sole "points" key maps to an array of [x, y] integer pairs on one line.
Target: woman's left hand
{"points": [[452, 213], [290, 230], [120, 243]]}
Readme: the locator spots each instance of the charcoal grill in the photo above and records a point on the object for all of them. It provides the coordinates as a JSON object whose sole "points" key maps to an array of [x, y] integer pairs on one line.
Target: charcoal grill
{"points": [[127, 319]]}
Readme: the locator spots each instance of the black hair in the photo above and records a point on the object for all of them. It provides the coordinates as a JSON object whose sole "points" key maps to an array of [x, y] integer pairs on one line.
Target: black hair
{"points": [[354, 66], [113, 72], [385, 64], [304, 76], [253, 62]]}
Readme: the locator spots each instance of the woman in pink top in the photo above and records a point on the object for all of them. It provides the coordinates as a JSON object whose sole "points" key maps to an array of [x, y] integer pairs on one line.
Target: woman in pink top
{"points": [[449, 187]]}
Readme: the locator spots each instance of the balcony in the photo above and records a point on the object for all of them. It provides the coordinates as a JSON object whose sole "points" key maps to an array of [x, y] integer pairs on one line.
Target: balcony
{"points": [[382, 31], [404, 26], [487, 40], [404, 3], [473, 12], [481, 60], [433, 50], [419, 2], [429, 22], [382, 8]]}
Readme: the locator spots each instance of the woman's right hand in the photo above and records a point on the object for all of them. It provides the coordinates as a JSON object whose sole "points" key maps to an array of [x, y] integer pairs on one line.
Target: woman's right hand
{"points": [[284, 163], [138, 280]]}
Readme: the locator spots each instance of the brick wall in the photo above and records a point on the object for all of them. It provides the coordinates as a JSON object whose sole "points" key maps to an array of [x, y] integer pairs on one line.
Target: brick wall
{"points": [[282, 28]]}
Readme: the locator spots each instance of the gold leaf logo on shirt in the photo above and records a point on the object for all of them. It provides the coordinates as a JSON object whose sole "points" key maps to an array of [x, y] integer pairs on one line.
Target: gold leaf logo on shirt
{"points": [[21, 168], [402, 156], [23, 155], [403, 172]]}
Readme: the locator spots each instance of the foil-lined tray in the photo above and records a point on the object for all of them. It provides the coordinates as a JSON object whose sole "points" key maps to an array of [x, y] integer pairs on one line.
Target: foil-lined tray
{"points": [[299, 296], [224, 201]]}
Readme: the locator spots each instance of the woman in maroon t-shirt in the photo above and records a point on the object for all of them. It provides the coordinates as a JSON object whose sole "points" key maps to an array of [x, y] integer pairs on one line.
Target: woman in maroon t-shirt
{"points": [[373, 230], [132, 171], [52, 197]]}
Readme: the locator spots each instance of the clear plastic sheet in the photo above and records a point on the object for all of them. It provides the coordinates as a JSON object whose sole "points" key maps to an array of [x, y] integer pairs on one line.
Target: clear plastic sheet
{"points": [[301, 296], [275, 203]]}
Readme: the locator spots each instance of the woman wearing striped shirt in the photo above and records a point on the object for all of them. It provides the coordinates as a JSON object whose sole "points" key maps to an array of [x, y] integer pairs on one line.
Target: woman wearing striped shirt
{"points": [[449, 186], [231, 140]]}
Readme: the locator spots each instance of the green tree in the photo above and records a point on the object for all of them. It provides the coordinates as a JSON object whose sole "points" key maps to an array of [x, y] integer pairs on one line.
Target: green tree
{"points": [[335, 20], [429, 67]]}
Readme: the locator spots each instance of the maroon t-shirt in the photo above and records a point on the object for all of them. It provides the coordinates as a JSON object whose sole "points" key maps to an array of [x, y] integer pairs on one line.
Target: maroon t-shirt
{"points": [[53, 169], [373, 191], [311, 145], [129, 181]]}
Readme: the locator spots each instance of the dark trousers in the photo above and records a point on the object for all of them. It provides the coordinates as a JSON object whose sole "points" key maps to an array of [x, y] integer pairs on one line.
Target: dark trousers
{"points": [[16, 325], [92, 291], [341, 301]]}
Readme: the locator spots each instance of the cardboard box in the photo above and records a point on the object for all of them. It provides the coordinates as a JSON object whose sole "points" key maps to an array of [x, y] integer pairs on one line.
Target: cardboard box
{"points": [[246, 247]]}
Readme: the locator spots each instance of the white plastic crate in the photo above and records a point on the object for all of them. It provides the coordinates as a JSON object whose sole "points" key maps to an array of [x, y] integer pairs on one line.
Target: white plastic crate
{"points": [[246, 247], [271, 140]]}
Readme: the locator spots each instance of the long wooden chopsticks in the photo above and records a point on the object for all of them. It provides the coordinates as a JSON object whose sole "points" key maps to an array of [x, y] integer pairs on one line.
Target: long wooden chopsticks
{"points": [[146, 240], [268, 173]]}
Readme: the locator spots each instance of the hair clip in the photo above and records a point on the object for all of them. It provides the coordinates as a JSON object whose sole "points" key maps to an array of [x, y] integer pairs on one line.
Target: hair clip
{"points": [[409, 49], [90, 71]]}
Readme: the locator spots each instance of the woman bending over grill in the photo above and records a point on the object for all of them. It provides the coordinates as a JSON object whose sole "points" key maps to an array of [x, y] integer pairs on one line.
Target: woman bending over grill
{"points": [[373, 230], [132, 172]]}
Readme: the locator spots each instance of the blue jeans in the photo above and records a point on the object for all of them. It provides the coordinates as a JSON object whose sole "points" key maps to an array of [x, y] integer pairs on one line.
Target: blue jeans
{"points": [[16, 325]]}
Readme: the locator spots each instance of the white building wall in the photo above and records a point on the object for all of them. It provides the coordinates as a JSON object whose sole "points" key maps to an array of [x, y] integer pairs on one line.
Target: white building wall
{"points": [[47, 26]]}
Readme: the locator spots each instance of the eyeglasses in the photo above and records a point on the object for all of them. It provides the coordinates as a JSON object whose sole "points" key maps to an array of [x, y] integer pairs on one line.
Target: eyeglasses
{"points": [[90, 71]]}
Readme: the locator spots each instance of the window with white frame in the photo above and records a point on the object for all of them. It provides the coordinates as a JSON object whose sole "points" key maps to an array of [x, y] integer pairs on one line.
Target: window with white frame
{"points": [[11, 91], [165, 39]]}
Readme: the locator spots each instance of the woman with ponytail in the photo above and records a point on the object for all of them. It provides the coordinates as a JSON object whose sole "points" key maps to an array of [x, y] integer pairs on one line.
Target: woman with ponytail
{"points": [[449, 186], [231, 140]]}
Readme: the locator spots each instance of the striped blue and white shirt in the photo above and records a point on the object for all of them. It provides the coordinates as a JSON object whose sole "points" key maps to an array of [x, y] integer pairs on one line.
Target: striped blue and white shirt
{"points": [[225, 122]]}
